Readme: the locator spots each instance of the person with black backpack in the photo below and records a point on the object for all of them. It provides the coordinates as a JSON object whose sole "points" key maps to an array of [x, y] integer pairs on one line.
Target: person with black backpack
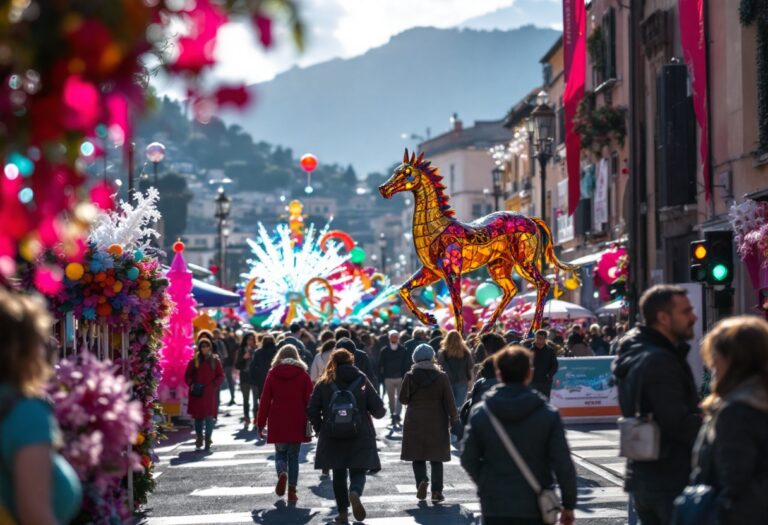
{"points": [[340, 411]]}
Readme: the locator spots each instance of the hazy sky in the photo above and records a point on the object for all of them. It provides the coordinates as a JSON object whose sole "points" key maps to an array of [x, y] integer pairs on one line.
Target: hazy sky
{"points": [[346, 28]]}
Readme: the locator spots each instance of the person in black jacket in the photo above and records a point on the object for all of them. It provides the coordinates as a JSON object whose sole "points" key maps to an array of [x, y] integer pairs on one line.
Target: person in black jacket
{"points": [[730, 452], [537, 432], [490, 343], [262, 362], [293, 338], [544, 361], [653, 375], [361, 358], [245, 355], [394, 362], [353, 456]]}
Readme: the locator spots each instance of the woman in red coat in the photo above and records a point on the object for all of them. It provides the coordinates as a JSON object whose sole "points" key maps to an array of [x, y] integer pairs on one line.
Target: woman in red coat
{"points": [[204, 369], [283, 409]]}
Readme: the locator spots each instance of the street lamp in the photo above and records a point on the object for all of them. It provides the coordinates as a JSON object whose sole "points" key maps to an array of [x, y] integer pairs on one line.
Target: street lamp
{"points": [[383, 247], [223, 207], [496, 175], [543, 120], [155, 153]]}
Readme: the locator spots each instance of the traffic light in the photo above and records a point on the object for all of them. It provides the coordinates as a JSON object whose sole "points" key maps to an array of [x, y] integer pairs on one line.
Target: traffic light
{"points": [[698, 255], [719, 245]]}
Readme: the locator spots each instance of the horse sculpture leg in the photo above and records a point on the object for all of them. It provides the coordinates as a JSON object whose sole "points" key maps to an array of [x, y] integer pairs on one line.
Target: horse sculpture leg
{"points": [[451, 264], [501, 273], [531, 273], [422, 277]]}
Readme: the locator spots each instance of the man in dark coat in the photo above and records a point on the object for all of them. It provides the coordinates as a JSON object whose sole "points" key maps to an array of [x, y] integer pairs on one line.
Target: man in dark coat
{"points": [[653, 374], [436, 339], [535, 428], [361, 358], [358, 454], [419, 336], [394, 362], [293, 339], [544, 362]]}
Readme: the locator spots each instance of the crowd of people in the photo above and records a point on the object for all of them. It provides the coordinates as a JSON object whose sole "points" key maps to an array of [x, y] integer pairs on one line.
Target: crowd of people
{"points": [[487, 393]]}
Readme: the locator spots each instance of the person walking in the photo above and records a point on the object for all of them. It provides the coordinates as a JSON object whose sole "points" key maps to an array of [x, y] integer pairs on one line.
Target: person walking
{"points": [[204, 376], [597, 342], [37, 485], [283, 410], [654, 378], [456, 359], [394, 362], [340, 410], [294, 338], [361, 358], [321, 360], [261, 363], [430, 413], [729, 454], [544, 362], [245, 355], [228, 362], [536, 430]]}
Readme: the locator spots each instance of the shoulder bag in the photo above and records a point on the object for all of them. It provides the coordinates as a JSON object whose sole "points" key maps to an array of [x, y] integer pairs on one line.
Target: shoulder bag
{"points": [[639, 436], [197, 389], [549, 503]]}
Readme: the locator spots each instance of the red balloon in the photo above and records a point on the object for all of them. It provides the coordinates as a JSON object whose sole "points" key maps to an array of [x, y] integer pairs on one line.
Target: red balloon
{"points": [[308, 162]]}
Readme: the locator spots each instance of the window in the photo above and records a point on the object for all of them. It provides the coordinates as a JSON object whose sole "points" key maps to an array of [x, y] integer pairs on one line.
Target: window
{"points": [[546, 71], [452, 188], [477, 210], [609, 43], [488, 208], [200, 242]]}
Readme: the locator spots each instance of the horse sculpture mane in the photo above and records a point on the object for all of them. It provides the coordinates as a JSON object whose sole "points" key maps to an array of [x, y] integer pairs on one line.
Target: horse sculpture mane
{"points": [[433, 176], [447, 248]]}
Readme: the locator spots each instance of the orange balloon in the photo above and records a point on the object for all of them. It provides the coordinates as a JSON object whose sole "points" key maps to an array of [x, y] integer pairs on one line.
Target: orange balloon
{"points": [[308, 162], [115, 249]]}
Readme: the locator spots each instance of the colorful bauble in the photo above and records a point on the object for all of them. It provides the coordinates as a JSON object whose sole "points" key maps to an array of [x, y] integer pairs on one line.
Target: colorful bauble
{"points": [[308, 162], [115, 249], [178, 247], [132, 273], [74, 271]]}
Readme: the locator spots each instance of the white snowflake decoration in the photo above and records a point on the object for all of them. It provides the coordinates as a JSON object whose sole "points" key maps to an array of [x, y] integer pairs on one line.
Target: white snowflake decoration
{"points": [[129, 226]]}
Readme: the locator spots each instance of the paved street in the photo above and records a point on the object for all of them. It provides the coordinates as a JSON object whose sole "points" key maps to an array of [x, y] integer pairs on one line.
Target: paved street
{"points": [[235, 483]]}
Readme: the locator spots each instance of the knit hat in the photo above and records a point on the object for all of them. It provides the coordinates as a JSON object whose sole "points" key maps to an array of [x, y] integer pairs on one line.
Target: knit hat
{"points": [[392, 332], [423, 352]]}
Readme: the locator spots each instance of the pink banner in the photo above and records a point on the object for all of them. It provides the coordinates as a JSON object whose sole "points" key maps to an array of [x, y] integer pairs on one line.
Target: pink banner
{"points": [[692, 38], [575, 70]]}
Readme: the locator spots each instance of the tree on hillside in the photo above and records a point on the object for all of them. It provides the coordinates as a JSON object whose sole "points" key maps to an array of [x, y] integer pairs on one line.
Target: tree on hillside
{"points": [[173, 206]]}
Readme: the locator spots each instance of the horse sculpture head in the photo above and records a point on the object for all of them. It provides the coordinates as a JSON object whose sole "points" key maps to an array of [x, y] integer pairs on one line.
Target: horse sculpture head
{"points": [[411, 175]]}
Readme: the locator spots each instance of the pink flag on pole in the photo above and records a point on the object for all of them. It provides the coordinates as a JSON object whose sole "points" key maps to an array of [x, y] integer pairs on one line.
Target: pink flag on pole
{"points": [[575, 51]]}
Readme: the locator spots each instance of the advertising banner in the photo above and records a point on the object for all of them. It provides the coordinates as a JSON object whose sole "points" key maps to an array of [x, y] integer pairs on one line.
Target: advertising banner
{"points": [[583, 390]]}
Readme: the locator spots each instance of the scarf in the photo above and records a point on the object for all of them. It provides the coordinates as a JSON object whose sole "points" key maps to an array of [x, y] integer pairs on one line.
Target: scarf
{"points": [[425, 365]]}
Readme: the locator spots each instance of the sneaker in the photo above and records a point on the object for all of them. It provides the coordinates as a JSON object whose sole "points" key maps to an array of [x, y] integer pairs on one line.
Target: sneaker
{"points": [[199, 442], [437, 497], [358, 511], [421, 491], [208, 444], [282, 481], [292, 493], [231, 402], [343, 517]]}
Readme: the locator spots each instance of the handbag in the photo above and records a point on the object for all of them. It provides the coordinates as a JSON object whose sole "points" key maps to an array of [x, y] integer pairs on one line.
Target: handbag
{"points": [[695, 506], [308, 432], [549, 502], [197, 389], [639, 436]]}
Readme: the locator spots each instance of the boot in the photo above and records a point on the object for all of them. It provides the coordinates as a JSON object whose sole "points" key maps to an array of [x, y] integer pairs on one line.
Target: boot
{"points": [[282, 480], [421, 491], [292, 493], [437, 497], [358, 511], [343, 517], [199, 442], [208, 443]]}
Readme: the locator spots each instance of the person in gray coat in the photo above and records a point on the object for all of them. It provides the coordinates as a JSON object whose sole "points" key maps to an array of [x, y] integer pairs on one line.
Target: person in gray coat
{"points": [[535, 427], [431, 411], [353, 456]]}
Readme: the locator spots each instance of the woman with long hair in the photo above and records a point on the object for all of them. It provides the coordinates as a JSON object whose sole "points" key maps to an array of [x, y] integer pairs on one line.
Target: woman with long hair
{"points": [[204, 376], [321, 360], [729, 454], [283, 410], [431, 412], [245, 355], [456, 359], [38, 485], [340, 408]]}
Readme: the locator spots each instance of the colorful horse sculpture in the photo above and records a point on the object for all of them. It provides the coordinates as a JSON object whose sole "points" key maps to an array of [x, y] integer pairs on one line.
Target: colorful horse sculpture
{"points": [[447, 248]]}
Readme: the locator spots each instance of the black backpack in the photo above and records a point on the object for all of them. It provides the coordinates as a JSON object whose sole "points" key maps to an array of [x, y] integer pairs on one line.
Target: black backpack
{"points": [[344, 421]]}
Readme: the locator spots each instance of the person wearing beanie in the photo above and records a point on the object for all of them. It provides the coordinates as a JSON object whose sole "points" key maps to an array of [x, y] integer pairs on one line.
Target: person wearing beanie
{"points": [[430, 413], [394, 362]]}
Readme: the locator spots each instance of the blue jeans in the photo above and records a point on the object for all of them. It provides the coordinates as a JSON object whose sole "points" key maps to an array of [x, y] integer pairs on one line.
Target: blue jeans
{"points": [[356, 484], [287, 460], [208, 427], [459, 393]]}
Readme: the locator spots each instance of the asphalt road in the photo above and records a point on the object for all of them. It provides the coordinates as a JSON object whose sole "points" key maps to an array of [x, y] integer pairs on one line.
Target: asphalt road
{"points": [[234, 483]]}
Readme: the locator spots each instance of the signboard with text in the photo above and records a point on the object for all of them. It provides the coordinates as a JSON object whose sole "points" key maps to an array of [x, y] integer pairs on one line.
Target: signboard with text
{"points": [[583, 389]]}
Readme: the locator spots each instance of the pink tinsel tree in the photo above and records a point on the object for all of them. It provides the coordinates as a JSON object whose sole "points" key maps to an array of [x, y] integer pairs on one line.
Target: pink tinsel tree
{"points": [[177, 347]]}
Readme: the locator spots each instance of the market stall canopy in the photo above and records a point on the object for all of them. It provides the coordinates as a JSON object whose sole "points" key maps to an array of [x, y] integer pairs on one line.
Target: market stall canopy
{"points": [[555, 309], [612, 308], [210, 296]]}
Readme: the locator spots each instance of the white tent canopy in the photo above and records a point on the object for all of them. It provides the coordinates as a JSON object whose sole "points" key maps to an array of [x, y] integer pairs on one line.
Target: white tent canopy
{"points": [[612, 308], [555, 309]]}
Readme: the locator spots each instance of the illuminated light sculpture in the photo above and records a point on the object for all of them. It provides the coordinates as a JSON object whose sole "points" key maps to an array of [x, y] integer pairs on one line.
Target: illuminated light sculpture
{"points": [[448, 248]]}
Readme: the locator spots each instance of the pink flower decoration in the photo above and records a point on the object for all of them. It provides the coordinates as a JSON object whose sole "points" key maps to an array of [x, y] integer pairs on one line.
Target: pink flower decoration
{"points": [[48, 279], [103, 195], [81, 104], [196, 51]]}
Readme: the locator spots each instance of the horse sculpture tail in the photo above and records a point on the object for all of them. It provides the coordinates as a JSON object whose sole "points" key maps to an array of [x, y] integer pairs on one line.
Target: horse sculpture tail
{"points": [[549, 250]]}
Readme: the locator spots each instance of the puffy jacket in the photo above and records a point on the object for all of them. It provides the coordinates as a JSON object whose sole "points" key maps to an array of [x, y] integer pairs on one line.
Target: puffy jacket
{"points": [[650, 365], [283, 403], [535, 428], [730, 455]]}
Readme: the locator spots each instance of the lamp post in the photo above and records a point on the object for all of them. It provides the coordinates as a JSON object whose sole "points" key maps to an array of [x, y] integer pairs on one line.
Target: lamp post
{"points": [[543, 118], [496, 175], [155, 153], [223, 207], [383, 247]]}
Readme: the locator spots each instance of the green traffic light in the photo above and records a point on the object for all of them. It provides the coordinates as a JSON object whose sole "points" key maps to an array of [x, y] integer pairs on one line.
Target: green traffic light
{"points": [[720, 272]]}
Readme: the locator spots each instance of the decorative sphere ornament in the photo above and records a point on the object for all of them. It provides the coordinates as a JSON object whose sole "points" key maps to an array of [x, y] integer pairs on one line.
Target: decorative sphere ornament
{"points": [[308, 189], [74, 271], [178, 247], [155, 152], [357, 255], [132, 273], [486, 293], [308, 163], [115, 249], [138, 255]]}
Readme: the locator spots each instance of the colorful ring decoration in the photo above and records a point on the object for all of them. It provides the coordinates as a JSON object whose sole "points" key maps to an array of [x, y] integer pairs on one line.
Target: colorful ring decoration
{"points": [[249, 306], [324, 283], [339, 235]]}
